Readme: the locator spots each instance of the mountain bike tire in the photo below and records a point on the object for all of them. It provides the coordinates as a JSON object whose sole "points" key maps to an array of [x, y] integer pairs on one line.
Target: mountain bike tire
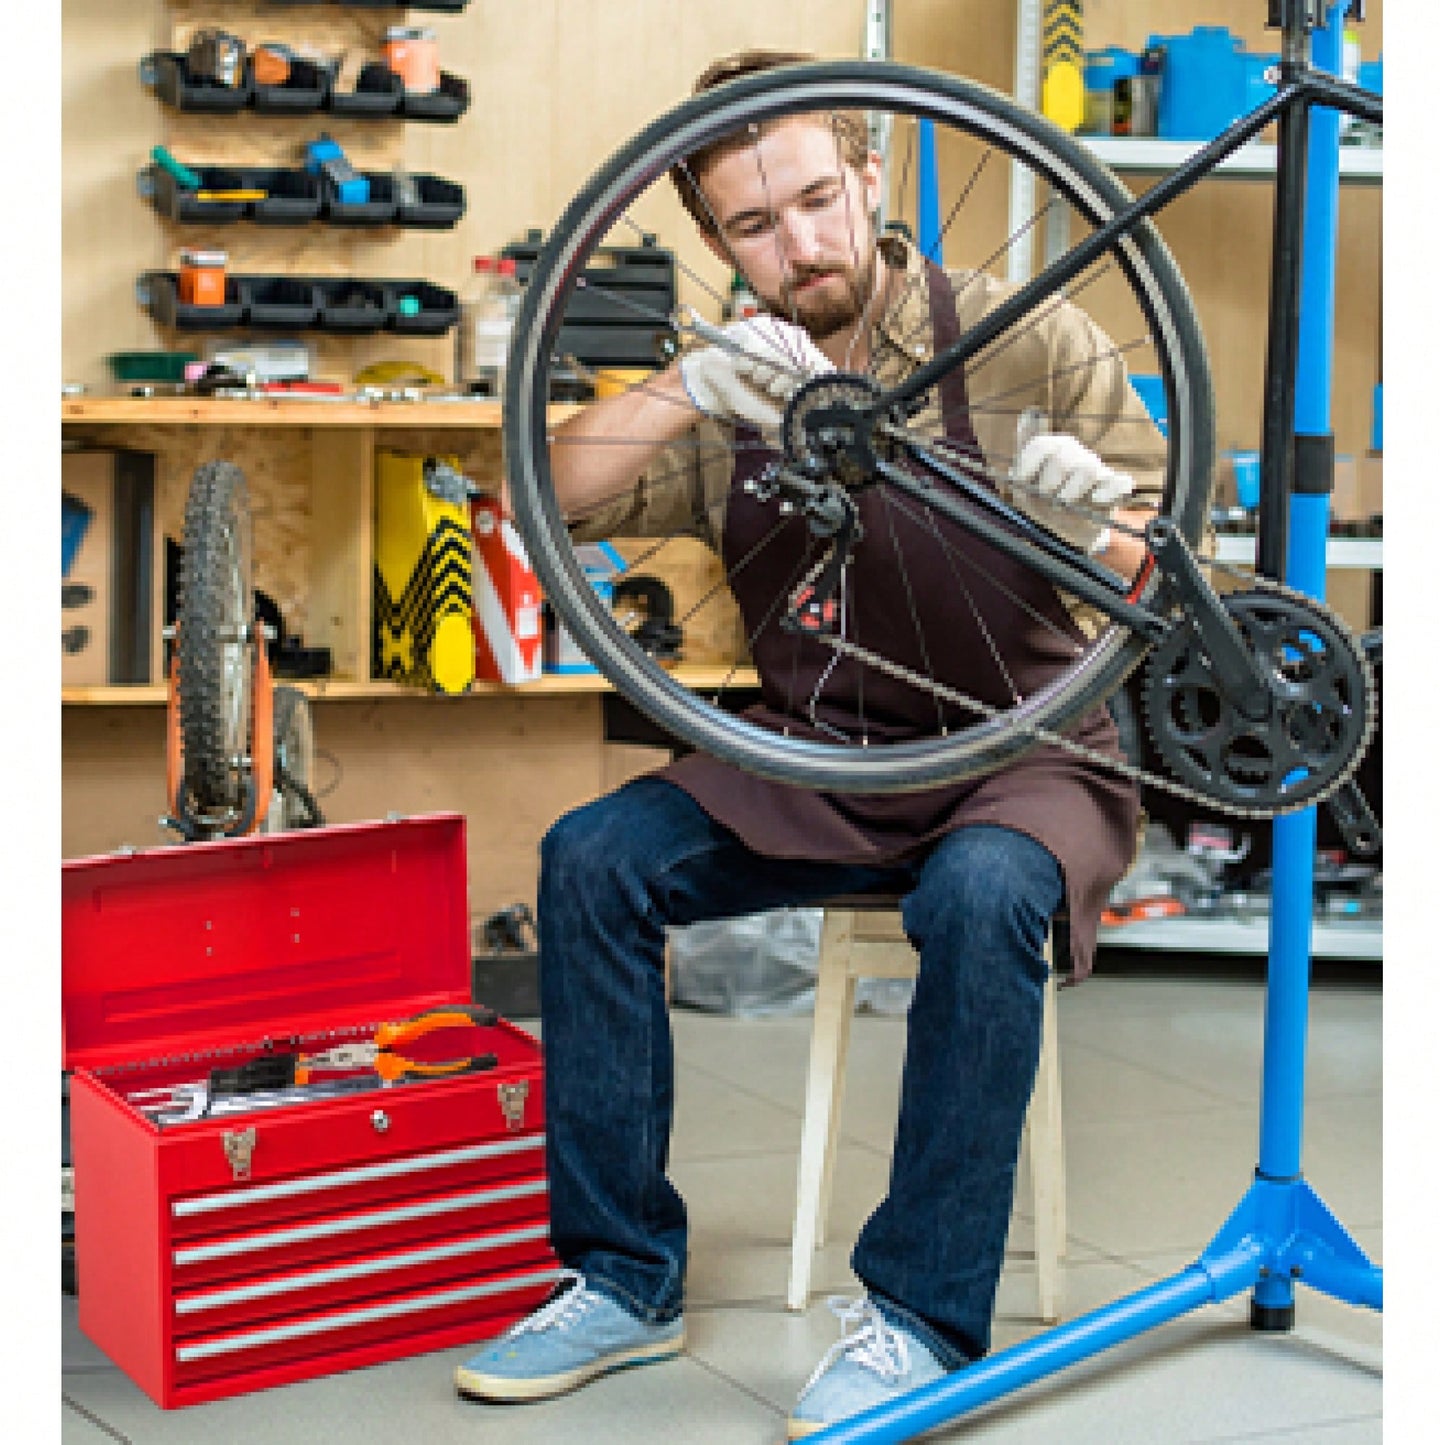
{"points": [[215, 611]]}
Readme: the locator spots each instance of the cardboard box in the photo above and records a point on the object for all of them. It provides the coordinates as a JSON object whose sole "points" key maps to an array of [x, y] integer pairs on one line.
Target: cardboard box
{"points": [[507, 612], [111, 579], [1371, 482], [235, 1252], [422, 575], [1359, 493]]}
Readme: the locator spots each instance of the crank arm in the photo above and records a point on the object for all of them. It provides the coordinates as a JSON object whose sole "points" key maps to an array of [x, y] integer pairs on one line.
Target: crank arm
{"points": [[1036, 549], [1356, 822], [1231, 662]]}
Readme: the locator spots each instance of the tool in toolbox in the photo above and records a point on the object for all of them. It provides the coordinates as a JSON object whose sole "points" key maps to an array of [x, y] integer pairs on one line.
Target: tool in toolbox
{"points": [[187, 1102], [378, 1053], [276, 1079]]}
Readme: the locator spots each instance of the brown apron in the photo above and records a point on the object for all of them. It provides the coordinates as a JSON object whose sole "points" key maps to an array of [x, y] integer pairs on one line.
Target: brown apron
{"points": [[943, 618]]}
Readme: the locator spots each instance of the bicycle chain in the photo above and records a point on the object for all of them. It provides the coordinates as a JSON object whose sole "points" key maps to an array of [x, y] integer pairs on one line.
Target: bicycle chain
{"points": [[1138, 775]]}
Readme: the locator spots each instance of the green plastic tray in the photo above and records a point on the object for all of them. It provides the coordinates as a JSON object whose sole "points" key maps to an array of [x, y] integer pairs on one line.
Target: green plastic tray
{"points": [[150, 365]]}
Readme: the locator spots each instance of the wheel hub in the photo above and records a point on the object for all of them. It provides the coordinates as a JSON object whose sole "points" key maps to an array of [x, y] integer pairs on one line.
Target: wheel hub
{"points": [[828, 428]]}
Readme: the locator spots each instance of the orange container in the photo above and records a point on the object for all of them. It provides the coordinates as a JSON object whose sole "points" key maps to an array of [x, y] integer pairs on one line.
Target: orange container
{"points": [[411, 51], [203, 278]]}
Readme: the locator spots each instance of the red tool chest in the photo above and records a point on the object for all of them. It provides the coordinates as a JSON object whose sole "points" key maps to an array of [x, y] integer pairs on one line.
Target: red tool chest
{"points": [[227, 1254]]}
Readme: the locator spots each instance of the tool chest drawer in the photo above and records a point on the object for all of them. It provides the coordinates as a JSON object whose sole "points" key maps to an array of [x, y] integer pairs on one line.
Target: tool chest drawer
{"points": [[340, 1221]]}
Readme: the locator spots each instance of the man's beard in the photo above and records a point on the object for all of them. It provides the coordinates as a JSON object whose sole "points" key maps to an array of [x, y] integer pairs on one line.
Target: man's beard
{"points": [[824, 314]]}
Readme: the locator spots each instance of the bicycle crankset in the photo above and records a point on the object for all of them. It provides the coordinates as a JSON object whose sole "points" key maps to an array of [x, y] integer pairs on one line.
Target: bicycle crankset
{"points": [[1320, 716]]}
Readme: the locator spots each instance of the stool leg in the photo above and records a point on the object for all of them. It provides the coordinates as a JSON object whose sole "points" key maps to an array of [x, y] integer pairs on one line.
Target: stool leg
{"points": [[1046, 1164], [835, 1107], [827, 1059]]}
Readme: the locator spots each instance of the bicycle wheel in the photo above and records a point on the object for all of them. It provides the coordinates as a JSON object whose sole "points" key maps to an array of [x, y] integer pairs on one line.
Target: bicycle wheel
{"points": [[294, 769], [213, 618], [976, 133]]}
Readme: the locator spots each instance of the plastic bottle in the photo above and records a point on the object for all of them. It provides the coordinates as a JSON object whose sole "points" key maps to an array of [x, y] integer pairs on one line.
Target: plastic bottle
{"points": [[489, 315], [741, 302], [1350, 58]]}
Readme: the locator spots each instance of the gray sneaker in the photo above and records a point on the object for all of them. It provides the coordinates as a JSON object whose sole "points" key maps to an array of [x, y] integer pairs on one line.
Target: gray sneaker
{"points": [[873, 1362], [571, 1339]]}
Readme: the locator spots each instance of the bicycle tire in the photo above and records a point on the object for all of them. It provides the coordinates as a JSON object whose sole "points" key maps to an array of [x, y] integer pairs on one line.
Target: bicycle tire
{"points": [[216, 607], [295, 759], [846, 85]]}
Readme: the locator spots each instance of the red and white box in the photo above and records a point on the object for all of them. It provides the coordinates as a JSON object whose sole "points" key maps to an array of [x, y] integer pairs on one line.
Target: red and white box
{"points": [[507, 600], [228, 1254]]}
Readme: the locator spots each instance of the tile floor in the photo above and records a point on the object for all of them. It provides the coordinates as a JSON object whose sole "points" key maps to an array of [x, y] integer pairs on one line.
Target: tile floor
{"points": [[1160, 1080]]}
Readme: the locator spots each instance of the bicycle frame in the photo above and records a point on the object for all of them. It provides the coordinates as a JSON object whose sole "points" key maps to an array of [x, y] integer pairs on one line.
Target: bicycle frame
{"points": [[1281, 1231], [1301, 88]]}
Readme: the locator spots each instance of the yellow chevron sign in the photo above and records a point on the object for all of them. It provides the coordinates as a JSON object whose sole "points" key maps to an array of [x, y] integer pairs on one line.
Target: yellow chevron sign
{"points": [[421, 599], [1063, 100]]}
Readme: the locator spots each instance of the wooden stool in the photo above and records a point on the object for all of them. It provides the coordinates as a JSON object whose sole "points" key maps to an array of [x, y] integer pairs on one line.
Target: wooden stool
{"points": [[863, 938]]}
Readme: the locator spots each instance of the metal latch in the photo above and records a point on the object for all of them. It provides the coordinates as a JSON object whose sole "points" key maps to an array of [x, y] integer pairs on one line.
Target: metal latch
{"points": [[238, 1144], [513, 1099]]}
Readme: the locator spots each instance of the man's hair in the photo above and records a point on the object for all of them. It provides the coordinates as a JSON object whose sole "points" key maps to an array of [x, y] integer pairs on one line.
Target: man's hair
{"points": [[850, 128]]}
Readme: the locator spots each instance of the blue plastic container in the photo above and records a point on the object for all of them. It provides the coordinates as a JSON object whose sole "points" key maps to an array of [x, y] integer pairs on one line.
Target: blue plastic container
{"points": [[75, 518], [1377, 421], [1372, 76], [1246, 478], [1202, 89], [1257, 89]]}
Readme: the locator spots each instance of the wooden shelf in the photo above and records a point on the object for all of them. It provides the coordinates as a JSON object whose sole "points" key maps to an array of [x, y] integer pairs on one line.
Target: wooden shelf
{"points": [[284, 412], [698, 677]]}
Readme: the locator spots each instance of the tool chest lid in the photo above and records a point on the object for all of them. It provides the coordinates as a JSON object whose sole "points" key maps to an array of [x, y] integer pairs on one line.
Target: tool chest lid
{"points": [[199, 945]]}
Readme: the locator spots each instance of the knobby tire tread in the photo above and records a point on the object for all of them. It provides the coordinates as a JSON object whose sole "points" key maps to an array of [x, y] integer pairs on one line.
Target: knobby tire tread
{"points": [[216, 502]]}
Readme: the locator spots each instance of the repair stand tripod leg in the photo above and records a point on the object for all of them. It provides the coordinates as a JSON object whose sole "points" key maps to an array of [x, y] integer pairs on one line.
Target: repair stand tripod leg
{"points": [[1280, 1233]]}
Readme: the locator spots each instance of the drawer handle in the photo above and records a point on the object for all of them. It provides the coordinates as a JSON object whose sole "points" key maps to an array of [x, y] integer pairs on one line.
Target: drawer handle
{"points": [[359, 1269], [361, 1174], [256, 1339], [351, 1223]]}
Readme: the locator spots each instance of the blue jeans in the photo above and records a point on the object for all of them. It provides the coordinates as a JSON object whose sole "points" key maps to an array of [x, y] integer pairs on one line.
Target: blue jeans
{"points": [[615, 874]]}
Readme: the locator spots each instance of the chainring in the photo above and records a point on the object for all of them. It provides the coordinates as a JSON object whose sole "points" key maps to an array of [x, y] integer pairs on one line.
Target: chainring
{"points": [[1310, 740]]}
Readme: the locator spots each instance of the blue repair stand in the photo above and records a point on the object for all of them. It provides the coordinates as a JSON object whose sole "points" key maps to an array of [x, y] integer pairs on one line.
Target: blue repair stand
{"points": [[1281, 1233]]}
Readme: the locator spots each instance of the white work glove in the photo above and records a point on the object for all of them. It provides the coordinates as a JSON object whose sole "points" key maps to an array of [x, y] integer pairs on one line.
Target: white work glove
{"points": [[1054, 468], [751, 376]]}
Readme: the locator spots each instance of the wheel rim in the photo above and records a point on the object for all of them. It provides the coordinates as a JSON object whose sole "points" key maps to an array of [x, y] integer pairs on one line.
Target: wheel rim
{"points": [[235, 648], [617, 191]]}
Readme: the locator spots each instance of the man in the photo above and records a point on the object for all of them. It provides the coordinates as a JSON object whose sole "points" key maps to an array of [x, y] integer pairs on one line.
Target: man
{"points": [[983, 865]]}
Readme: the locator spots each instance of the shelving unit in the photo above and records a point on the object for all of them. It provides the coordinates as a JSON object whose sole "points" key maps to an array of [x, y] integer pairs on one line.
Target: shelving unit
{"points": [[332, 445], [249, 137], [1366, 554], [1363, 164], [1329, 938], [1361, 167], [284, 412], [699, 677]]}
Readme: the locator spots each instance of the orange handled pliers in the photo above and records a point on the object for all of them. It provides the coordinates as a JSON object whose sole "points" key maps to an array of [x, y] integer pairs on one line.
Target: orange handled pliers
{"points": [[377, 1053]]}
